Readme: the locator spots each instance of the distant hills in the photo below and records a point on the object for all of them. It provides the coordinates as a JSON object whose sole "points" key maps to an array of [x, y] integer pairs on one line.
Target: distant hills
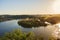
{"points": [[12, 17]]}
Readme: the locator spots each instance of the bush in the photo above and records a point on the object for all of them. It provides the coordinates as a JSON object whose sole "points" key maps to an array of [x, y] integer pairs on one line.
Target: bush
{"points": [[19, 35]]}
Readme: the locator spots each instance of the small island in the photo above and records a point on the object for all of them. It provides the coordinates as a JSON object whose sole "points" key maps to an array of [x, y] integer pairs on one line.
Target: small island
{"points": [[38, 21], [31, 22]]}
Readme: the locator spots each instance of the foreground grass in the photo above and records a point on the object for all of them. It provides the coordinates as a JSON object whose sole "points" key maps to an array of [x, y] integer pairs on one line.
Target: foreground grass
{"points": [[19, 35]]}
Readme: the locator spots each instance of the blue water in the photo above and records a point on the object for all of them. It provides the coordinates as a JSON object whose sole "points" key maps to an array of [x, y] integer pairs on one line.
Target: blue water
{"points": [[9, 26]]}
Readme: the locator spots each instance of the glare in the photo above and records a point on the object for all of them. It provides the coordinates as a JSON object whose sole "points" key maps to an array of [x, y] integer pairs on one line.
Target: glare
{"points": [[47, 23], [58, 25], [56, 6], [56, 34], [57, 30]]}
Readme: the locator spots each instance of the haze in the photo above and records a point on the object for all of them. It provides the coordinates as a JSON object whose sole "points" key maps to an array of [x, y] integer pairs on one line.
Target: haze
{"points": [[23, 7]]}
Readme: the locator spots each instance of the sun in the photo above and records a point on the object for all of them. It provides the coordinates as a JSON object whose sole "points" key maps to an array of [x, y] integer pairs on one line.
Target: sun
{"points": [[56, 6]]}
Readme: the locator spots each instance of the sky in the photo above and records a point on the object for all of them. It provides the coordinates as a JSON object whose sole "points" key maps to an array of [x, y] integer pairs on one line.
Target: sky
{"points": [[23, 7]]}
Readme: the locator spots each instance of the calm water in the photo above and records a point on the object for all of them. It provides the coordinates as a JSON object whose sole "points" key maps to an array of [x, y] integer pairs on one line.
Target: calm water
{"points": [[9, 26]]}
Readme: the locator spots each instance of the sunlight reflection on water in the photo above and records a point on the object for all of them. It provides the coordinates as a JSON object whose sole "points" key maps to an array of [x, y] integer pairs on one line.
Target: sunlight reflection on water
{"points": [[10, 25], [46, 32]]}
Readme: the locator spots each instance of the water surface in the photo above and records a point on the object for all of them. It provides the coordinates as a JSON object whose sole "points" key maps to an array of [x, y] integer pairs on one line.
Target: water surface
{"points": [[9, 26]]}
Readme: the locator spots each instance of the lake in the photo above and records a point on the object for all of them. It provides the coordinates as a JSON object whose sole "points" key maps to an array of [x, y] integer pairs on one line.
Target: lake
{"points": [[8, 26]]}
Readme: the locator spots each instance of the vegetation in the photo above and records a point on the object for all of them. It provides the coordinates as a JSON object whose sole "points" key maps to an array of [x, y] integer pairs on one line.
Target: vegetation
{"points": [[39, 21], [12, 17], [19, 35], [32, 22], [53, 20]]}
